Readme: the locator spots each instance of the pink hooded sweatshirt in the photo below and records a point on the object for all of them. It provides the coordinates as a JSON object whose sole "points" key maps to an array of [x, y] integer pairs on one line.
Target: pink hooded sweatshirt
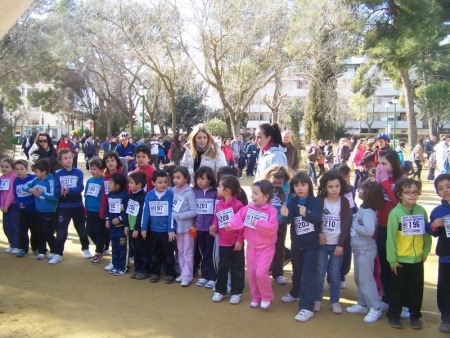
{"points": [[7, 196], [227, 238]]}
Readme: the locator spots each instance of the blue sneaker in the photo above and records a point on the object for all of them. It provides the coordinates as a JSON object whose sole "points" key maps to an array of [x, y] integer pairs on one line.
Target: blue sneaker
{"points": [[22, 253]]}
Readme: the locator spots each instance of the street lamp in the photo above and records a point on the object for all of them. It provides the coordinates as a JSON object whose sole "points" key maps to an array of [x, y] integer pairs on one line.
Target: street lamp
{"points": [[394, 102], [387, 118], [143, 92]]}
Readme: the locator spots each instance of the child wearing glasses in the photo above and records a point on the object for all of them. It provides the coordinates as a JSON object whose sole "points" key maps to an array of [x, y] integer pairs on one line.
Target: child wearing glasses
{"points": [[407, 248]]}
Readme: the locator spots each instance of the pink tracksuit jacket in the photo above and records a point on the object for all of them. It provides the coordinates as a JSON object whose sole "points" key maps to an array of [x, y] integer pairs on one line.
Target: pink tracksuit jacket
{"points": [[228, 238], [261, 241]]}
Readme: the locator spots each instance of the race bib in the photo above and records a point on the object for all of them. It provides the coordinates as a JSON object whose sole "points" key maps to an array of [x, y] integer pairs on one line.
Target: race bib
{"points": [[106, 185], [93, 189], [4, 184], [205, 206], [177, 202], [331, 224], [224, 217], [413, 225], [20, 192], [69, 181], [302, 227], [133, 208], [256, 215], [447, 226], [159, 208], [114, 205], [349, 197]]}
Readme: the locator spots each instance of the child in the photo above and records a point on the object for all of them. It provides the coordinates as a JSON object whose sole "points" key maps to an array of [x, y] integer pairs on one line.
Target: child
{"points": [[113, 165], [365, 251], [439, 227], [231, 252], [184, 212], [334, 231], [69, 186], [143, 164], [407, 248], [27, 209], [157, 217], [95, 225], [279, 177], [141, 247], [303, 212], [117, 222], [9, 207], [206, 195], [42, 188], [260, 223]]}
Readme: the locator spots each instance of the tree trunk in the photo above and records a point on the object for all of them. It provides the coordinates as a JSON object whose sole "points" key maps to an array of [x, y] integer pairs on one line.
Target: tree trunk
{"points": [[236, 125], [409, 103], [432, 127]]}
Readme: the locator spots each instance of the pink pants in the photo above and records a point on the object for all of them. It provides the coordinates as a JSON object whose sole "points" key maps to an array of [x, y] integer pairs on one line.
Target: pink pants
{"points": [[258, 265], [185, 245]]}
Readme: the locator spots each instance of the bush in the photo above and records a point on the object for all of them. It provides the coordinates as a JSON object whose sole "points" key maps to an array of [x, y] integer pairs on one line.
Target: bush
{"points": [[217, 127]]}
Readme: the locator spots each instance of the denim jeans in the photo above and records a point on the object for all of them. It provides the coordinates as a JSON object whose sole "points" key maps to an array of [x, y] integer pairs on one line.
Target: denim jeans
{"points": [[326, 258]]}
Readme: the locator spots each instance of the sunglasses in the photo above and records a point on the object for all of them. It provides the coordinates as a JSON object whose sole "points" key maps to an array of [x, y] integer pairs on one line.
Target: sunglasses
{"points": [[42, 141]]}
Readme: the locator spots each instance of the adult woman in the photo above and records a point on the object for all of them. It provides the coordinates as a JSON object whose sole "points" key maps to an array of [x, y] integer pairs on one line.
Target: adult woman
{"points": [[270, 142], [417, 155], [43, 148], [357, 156], [201, 150], [228, 152]]}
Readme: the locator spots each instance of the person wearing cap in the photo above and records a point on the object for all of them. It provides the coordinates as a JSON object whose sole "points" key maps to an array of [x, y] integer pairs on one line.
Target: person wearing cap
{"points": [[125, 149], [383, 140]]}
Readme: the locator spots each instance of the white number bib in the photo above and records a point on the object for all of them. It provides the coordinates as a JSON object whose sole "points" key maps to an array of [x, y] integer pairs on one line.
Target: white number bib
{"points": [[69, 181], [205, 206], [447, 226], [20, 192], [331, 224], [114, 205], [159, 208], [413, 225], [177, 202], [224, 217], [93, 189], [302, 227], [133, 208], [349, 197], [106, 185], [256, 215], [4, 184]]}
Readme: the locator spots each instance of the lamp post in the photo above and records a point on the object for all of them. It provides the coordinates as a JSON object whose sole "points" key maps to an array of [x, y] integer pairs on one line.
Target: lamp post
{"points": [[387, 118], [143, 92], [394, 102]]}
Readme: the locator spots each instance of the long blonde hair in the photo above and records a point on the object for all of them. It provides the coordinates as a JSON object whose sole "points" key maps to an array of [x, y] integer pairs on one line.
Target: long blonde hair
{"points": [[211, 148]]}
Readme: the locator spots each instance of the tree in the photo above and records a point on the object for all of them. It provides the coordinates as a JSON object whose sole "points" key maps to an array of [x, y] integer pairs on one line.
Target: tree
{"points": [[217, 127], [396, 34], [434, 100]]}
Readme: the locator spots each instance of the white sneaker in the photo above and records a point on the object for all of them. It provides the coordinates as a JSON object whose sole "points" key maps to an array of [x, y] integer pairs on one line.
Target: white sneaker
{"points": [[288, 298], [40, 257], [201, 282], [106, 252], [217, 297], [235, 299], [178, 279], [343, 285], [357, 309], [304, 315], [254, 305], [373, 315], [87, 254], [50, 256], [15, 251], [109, 267], [185, 283], [405, 313], [336, 308], [265, 304], [8, 250], [317, 306], [280, 280], [211, 284], [55, 259]]}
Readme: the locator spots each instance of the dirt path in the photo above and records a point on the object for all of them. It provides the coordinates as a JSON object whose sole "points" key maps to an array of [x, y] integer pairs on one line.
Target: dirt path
{"points": [[77, 299]]}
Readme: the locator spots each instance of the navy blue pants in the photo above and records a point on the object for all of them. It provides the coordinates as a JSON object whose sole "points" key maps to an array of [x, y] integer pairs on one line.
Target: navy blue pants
{"points": [[11, 225], [119, 247], [95, 227], [46, 231], [443, 291], [62, 230], [162, 249], [28, 221], [280, 249], [385, 267], [142, 253], [206, 245]]}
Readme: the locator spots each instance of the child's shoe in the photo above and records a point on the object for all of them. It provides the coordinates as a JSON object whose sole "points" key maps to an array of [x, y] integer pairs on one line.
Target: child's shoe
{"points": [[373, 315], [395, 323], [444, 327], [178, 279], [55, 259], [87, 254], [235, 299], [343, 285], [317, 306], [254, 305], [40, 257], [201, 282], [133, 275], [119, 273], [8, 250], [106, 253], [288, 298], [304, 315], [211, 284], [185, 283], [109, 267], [15, 251], [357, 309], [97, 258], [265, 304], [280, 280], [217, 297], [154, 278], [49, 256], [169, 279], [112, 271], [416, 324], [141, 276], [22, 253], [336, 308]]}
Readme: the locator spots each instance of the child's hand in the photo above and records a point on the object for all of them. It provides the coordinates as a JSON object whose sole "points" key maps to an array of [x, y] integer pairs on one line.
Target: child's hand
{"points": [[126, 231], [21, 206], [144, 234], [360, 222], [107, 225], [64, 191], [438, 222], [135, 234], [284, 211], [322, 240], [212, 230], [302, 210], [338, 251], [238, 246], [394, 269], [116, 221], [228, 227], [35, 192], [424, 259], [382, 174], [172, 236]]}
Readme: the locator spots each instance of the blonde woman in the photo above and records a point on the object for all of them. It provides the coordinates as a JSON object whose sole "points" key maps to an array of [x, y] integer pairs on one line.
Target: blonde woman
{"points": [[201, 150]]}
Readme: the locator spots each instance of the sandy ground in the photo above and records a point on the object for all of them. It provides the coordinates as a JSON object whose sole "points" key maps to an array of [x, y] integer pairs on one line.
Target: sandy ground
{"points": [[77, 299]]}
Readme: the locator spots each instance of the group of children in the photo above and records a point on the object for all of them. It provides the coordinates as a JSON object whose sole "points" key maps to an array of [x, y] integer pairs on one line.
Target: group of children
{"points": [[164, 218]]}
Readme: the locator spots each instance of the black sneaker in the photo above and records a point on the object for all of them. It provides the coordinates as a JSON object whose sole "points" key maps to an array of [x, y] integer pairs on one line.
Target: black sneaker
{"points": [[154, 278], [142, 275], [416, 324], [444, 327], [396, 323], [169, 279], [133, 275]]}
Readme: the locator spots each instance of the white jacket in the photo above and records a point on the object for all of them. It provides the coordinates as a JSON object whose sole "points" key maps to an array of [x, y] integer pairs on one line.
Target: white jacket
{"points": [[207, 160]]}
